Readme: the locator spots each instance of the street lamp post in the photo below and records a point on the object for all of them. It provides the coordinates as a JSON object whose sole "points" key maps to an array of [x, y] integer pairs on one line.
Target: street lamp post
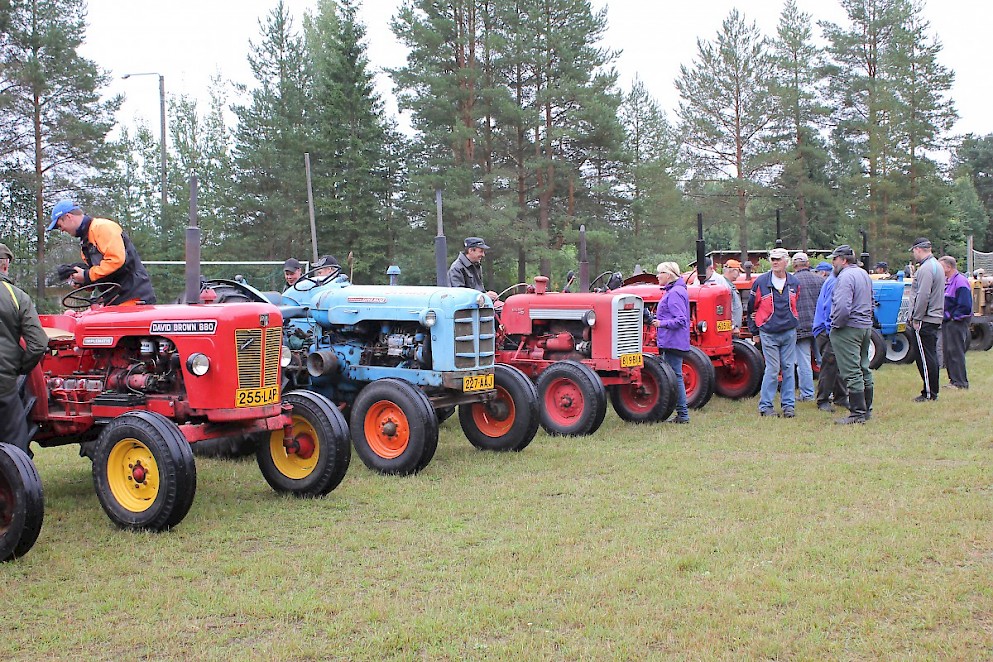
{"points": [[162, 127]]}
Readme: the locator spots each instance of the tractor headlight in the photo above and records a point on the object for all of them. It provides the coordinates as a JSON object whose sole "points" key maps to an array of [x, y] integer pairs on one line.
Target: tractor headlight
{"points": [[589, 318], [198, 364], [285, 357], [429, 318], [701, 326]]}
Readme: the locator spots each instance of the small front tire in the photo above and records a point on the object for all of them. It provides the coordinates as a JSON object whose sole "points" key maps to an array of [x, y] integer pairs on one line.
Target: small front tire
{"points": [[651, 402], [394, 428], [510, 421], [573, 399]]}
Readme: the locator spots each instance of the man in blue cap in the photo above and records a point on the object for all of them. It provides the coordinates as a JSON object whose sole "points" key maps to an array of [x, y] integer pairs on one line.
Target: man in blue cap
{"points": [[110, 256], [467, 270]]}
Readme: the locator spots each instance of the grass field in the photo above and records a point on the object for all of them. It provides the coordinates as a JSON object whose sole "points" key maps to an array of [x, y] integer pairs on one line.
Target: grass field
{"points": [[733, 537]]}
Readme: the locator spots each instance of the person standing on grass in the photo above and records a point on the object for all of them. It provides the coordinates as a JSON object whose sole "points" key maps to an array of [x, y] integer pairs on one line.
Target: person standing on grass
{"points": [[772, 316], [927, 309], [672, 321], [806, 302], [851, 329], [829, 383], [955, 327]]}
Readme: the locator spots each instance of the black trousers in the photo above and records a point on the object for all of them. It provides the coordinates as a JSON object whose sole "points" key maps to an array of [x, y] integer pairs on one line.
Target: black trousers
{"points": [[927, 358], [955, 338], [829, 380], [13, 421]]}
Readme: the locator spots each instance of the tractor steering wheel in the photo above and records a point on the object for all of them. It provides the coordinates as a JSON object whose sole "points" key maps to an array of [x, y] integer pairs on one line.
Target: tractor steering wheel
{"points": [[312, 277], [512, 287], [75, 300], [598, 279]]}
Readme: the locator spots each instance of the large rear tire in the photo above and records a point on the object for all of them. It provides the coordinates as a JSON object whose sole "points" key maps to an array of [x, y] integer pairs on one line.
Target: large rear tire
{"points": [[573, 399], [698, 377], [314, 461], [651, 402], [900, 348], [394, 428], [982, 336], [743, 378], [510, 421], [877, 350], [143, 472], [22, 503]]}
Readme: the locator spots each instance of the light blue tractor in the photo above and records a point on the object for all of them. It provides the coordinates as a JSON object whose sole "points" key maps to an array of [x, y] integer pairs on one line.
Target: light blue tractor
{"points": [[892, 299], [400, 358]]}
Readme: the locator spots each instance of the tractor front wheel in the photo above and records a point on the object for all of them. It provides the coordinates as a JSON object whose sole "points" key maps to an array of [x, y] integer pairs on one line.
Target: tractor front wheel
{"points": [[573, 399], [22, 504], [743, 378], [508, 422], [877, 350], [698, 378], [394, 428], [314, 460], [900, 348], [143, 472], [981, 336], [651, 402]]}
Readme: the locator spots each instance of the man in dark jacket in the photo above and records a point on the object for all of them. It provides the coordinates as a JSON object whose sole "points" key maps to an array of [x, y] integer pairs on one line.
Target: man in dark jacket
{"points": [[927, 309], [18, 321], [772, 316], [467, 270], [851, 329], [806, 303], [955, 334], [110, 256]]}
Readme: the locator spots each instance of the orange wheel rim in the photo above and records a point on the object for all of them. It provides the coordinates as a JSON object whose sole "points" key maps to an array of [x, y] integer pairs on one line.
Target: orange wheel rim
{"points": [[485, 418], [387, 430]]}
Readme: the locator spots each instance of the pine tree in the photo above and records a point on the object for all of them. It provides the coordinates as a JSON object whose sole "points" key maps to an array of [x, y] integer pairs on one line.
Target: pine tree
{"points": [[973, 158]]}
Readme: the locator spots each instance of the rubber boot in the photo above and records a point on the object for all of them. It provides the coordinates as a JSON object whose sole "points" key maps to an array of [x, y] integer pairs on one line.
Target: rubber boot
{"points": [[856, 409], [868, 403]]}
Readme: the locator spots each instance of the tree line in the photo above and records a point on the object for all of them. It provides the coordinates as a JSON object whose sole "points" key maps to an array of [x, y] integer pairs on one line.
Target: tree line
{"points": [[519, 120]]}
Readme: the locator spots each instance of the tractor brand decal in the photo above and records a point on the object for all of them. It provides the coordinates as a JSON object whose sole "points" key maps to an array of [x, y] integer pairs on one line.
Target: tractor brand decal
{"points": [[264, 320], [98, 341], [366, 299], [720, 309], [181, 327]]}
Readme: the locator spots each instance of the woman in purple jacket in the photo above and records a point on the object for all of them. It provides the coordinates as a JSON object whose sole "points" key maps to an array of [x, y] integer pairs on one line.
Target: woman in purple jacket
{"points": [[672, 319]]}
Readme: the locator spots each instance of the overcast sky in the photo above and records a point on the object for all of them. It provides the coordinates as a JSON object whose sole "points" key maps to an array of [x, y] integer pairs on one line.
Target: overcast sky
{"points": [[189, 41]]}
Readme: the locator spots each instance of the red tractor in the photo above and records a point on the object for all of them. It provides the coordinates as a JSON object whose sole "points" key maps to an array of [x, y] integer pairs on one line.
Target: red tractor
{"points": [[579, 347]]}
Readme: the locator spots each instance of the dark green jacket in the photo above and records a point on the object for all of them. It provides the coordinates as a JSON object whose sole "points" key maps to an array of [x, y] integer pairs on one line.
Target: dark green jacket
{"points": [[18, 319]]}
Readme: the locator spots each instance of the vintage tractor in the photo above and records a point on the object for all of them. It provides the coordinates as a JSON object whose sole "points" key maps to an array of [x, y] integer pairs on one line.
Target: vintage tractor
{"points": [[892, 305], [22, 503], [981, 328], [577, 348], [396, 357]]}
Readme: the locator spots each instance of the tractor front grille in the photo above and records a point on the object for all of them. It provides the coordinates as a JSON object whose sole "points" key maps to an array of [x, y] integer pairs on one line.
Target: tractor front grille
{"points": [[258, 356], [475, 338], [628, 325]]}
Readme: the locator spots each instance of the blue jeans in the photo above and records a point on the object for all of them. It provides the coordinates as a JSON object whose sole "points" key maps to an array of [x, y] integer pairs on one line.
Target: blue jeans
{"points": [[778, 350], [675, 360], [804, 370]]}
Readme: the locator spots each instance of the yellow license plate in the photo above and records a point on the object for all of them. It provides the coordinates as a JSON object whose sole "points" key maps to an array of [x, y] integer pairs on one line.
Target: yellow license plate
{"points": [[478, 382], [256, 397], [900, 328], [724, 325], [632, 360]]}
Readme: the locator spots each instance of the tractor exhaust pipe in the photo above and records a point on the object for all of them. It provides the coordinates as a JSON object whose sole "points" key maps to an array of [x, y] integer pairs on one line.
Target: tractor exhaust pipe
{"points": [[584, 265], [865, 250], [779, 230], [440, 246], [192, 294], [701, 251]]}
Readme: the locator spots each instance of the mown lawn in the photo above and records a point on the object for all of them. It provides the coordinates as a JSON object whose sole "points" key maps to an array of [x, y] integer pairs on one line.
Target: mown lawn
{"points": [[733, 537]]}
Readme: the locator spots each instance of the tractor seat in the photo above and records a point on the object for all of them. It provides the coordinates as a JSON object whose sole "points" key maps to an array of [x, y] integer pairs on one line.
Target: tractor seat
{"points": [[58, 335]]}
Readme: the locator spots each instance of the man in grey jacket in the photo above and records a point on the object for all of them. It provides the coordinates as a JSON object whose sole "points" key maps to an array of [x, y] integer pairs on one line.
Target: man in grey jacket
{"points": [[18, 320], [927, 306], [467, 270], [851, 329]]}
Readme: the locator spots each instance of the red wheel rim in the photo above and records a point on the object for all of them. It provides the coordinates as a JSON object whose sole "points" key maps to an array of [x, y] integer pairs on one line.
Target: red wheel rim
{"points": [[691, 379], [486, 420], [564, 402], [642, 398], [387, 430]]}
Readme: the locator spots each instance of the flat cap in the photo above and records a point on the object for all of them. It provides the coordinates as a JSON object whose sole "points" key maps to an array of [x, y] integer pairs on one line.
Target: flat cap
{"points": [[475, 242], [843, 251], [291, 264], [5, 252]]}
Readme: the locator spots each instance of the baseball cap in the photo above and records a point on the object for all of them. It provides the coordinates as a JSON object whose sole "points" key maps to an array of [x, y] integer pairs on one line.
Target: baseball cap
{"points": [[475, 242], [61, 207], [778, 254], [291, 264], [823, 266], [800, 257], [325, 261], [843, 251], [732, 264], [882, 265], [5, 252], [921, 242]]}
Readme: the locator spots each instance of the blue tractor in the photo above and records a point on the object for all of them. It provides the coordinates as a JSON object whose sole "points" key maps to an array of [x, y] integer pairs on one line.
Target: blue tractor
{"points": [[397, 359], [892, 298]]}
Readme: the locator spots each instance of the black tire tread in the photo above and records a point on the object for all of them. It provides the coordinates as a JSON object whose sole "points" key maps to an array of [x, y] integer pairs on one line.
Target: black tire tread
{"points": [[21, 475]]}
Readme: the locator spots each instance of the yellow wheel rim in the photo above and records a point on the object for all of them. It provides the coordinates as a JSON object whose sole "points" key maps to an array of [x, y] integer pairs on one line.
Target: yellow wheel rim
{"points": [[298, 457], [133, 475]]}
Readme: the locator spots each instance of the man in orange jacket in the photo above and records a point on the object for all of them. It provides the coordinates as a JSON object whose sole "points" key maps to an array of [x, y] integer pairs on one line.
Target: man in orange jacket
{"points": [[109, 255]]}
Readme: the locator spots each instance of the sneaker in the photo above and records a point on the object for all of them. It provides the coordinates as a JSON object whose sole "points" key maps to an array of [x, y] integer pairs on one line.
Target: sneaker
{"points": [[924, 398], [826, 406], [679, 421], [788, 413], [950, 385], [769, 412]]}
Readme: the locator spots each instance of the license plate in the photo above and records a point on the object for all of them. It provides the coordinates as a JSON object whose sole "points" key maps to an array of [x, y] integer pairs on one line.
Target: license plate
{"points": [[724, 325], [256, 397], [632, 360], [478, 382], [901, 327]]}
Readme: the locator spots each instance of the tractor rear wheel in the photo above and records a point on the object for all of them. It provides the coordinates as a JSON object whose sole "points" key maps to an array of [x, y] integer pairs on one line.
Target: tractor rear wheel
{"points": [[22, 504], [900, 348], [982, 336], [143, 472], [651, 402], [573, 399], [743, 378], [508, 422], [394, 428], [698, 377], [877, 350]]}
